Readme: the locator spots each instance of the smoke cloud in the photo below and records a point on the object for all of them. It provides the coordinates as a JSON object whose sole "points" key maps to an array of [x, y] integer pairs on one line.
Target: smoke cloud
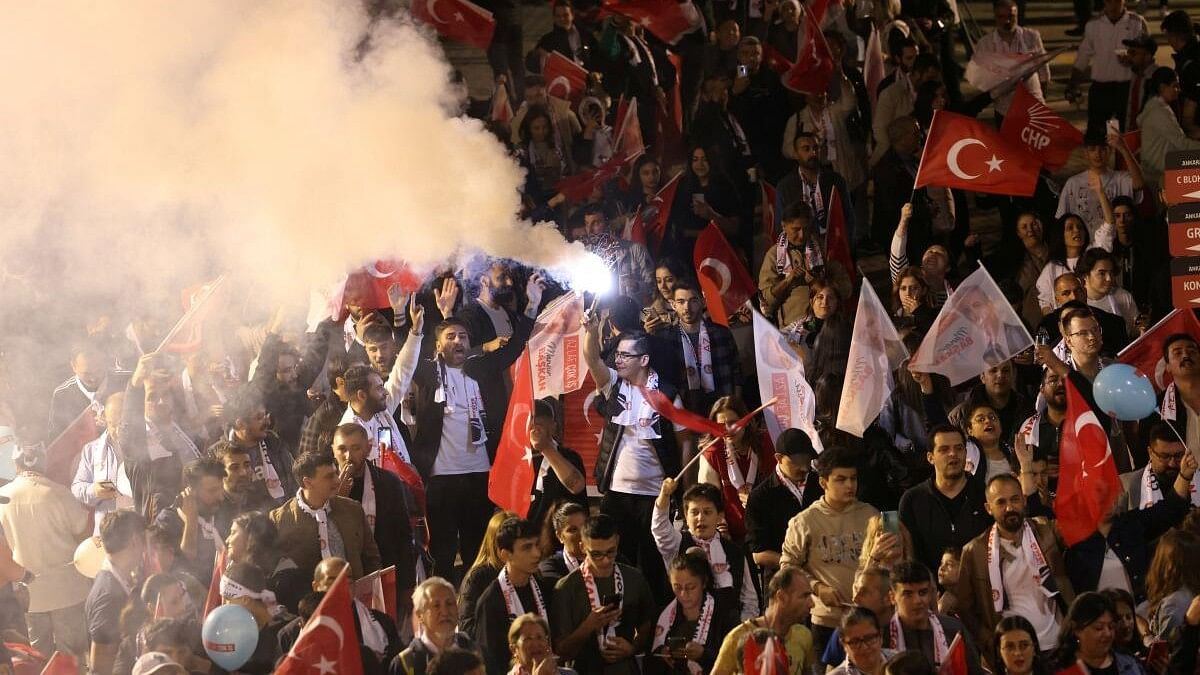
{"points": [[148, 144]]}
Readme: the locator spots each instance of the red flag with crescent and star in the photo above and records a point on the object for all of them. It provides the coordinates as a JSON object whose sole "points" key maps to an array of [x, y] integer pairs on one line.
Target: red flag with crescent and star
{"points": [[962, 152], [722, 275], [1088, 483], [565, 79], [651, 218], [668, 20], [510, 482], [1146, 353], [328, 643], [460, 20]]}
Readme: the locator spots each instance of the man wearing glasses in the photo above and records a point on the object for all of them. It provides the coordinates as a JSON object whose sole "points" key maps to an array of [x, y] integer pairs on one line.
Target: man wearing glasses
{"points": [[1144, 488], [603, 611], [638, 449]]}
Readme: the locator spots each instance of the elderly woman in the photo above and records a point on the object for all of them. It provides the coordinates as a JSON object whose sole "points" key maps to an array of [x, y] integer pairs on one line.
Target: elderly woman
{"points": [[529, 641], [1159, 125]]}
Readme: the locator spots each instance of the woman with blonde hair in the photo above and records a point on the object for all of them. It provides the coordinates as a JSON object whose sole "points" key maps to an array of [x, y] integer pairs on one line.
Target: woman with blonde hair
{"points": [[482, 573], [529, 641]]}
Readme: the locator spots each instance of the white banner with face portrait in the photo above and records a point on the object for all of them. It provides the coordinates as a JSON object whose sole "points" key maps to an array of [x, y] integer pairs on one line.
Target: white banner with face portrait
{"points": [[976, 330], [554, 348], [781, 376], [876, 351]]}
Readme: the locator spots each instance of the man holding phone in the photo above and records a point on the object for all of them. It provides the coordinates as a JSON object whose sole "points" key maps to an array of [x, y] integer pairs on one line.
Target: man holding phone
{"points": [[603, 612]]}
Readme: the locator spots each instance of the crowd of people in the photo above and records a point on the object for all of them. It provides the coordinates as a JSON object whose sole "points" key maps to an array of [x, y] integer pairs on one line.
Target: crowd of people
{"points": [[267, 461]]}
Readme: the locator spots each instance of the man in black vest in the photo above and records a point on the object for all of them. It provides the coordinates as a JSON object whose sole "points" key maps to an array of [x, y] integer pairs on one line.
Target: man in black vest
{"points": [[638, 449]]}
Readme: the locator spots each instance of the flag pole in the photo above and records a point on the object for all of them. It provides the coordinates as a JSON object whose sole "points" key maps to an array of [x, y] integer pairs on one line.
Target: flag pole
{"points": [[712, 441], [924, 151], [188, 314]]}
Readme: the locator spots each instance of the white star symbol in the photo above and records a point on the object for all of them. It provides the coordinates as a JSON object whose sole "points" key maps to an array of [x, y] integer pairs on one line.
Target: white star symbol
{"points": [[528, 456], [326, 666], [458, 16], [994, 164]]}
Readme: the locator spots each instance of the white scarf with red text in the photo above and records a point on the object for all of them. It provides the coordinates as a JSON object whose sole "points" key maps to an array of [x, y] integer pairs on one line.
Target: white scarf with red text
{"points": [[796, 490], [717, 562], [940, 646], [448, 392], [1033, 557], [736, 479], [589, 584], [512, 602], [667, 619], [1152, 492], [368, 498], [320, 515], [699, 367]]}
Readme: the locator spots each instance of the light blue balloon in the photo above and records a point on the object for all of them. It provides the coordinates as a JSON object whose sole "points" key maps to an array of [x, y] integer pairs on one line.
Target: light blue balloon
{"points": [[1124, 393], [230, 635]]}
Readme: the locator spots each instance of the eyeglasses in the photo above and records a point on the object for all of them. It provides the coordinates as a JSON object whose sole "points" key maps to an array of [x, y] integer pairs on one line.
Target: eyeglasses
{"points": [[1169, 457], [1088, 334], [602, 555], [864, 641], [625, 356]]}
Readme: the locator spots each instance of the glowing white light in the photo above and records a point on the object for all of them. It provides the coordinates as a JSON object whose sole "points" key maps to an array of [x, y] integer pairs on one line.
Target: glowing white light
{"points": [[590, 275]]}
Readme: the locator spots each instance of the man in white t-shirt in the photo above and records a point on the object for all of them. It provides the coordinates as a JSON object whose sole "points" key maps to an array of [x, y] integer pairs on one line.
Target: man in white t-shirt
{"points": [[1077, 195], [637, 448]]}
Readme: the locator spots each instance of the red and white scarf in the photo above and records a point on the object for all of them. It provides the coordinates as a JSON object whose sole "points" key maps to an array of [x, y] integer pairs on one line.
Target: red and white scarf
{"points": [[512, 601], [940, 646], [667, 619], [1033, 557], [796, 490], [1168, 403], [320, 515], [717, 562], [642, 420], [1152, 491], [736, 479], [232, 590], [368, 498], [571, 563], [589, 584], [783, 261], [699, 367]]}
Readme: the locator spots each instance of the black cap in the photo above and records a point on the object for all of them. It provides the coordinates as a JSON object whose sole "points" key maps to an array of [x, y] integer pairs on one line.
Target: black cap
{"points": [[794, 442], [1142, 42]]}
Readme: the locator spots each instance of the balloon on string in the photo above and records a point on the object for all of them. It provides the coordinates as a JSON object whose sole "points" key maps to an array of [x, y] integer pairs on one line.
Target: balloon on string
{"points": [[89, 557], [230, 635], [1124, 393]]}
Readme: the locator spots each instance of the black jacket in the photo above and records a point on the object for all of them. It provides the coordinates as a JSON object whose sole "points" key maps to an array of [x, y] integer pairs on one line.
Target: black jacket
{"points": [[393, 527], [929, 523], [553, 493], [1111, 325], [769, 508], [492, 621]]}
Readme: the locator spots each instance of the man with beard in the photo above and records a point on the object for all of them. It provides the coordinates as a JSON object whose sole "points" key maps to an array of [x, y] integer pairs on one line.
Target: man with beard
{"points": [[1014, 567], [90, 364], [373, 402], [705, 353], [1181, 398], [194, 521], [241, 493], [270, 459], [490, 317], [630, 261], [284, 374], [813, 184], [1144, 487], [1042, 431]]}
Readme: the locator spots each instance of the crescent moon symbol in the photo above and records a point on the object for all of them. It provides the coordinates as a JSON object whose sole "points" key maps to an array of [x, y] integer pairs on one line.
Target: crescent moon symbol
{"points": [[373, 270], [587, 405], [722, 271], [952, 157], [429, 5], [332, 625], [1088, 419], [560, 80]]}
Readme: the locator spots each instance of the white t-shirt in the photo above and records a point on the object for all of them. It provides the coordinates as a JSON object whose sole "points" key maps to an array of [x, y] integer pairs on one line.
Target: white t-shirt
{"points": [[1113, 574], [1025, 597], [637, 470], [996, 467], [456, 453], [500, 321], [1077, 196]]}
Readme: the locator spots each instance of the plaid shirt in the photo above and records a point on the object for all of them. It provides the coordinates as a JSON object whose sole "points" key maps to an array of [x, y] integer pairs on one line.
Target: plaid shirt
{"points": [[324, 419], [727, 373]]}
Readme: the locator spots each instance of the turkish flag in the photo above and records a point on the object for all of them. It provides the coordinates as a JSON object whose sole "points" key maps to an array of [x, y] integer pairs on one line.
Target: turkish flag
{"points": [[580, 186], [583, 424], [668, 20], [62, 455], [393, 463], [814, 67], [628, 141], [377, 590], [722, 276], [564, 78], [460, 20], [776, 61], [328, 643], [213, 599], [955, 662], [510, 482], [688, 419], [187, 334], [768, 211], [962, 152], [61, 664], [1088, 484], [1145, 353], [368, 287], [651, 218], [817, 10], [1047, 135], [837, 242]]}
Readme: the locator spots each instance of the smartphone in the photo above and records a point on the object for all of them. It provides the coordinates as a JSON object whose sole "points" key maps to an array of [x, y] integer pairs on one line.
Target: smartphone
{"points": [[611, 600], [384, 436], [1159, 651], [891, 522], [1113, 126], [698, 198], [743, 71], [108, 485], [676, 644]]}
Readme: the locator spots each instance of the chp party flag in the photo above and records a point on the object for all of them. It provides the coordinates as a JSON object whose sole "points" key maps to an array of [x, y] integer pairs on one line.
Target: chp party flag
{"points": [[651, 218], [781, 376], [555, 347], [564, 78], [814, 66], [1146, 352], [510, 482], [668, 20], [962, 152], [976, 330], [876, 351], [1088, 484], [460, 20], [723, 278], [328, 643], [1044, 132]]}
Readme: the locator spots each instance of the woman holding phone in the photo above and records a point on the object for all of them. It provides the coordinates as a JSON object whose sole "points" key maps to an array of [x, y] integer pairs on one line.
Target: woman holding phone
{"points": [[690, 629]]}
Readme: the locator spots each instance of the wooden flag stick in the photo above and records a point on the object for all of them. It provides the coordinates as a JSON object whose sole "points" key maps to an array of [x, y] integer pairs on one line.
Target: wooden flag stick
{"points": [[712, 441]]}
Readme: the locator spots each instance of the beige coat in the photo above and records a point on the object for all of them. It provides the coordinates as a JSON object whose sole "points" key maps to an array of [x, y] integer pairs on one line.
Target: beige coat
{"points": [[826, 544], [44, 524]]}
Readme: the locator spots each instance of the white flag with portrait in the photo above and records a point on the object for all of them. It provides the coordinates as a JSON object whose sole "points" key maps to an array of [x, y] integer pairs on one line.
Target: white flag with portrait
{"points": [[781, 376], [876, 351], [977, 329], [555, 346]]}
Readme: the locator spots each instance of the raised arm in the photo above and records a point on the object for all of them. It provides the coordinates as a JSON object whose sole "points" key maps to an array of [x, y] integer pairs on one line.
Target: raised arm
{"points": [[591, 351], [400, 379]]}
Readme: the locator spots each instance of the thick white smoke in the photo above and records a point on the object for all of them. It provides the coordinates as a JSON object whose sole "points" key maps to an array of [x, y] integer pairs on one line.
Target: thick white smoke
{"points": [[145, 142]]}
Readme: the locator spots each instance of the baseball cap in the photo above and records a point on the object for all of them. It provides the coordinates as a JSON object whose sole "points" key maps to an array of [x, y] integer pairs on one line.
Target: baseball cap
{"points": [[793, 442], [156, 662], [1142, 42]]}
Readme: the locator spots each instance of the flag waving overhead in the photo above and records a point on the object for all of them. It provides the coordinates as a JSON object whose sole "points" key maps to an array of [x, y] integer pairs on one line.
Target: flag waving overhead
{"points": [[876, 351], [328, 643], [668, 20], [460, 20], [1047, 135], [1088, 484], [1146, 352], [651, 219], [962, 152], [975, 330], [565, 79], [722, 276], [781, 376], [837, 239], [814, 66]]}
